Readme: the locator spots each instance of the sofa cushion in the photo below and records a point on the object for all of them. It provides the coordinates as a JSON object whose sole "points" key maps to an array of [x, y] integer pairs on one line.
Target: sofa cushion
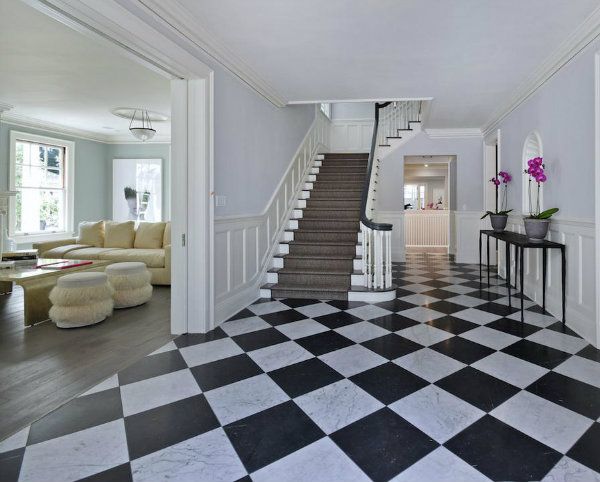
{"points": [[149, 235], [119, 235], [153, 258], [167, 235], [88, 253], [91, 233], [60, 251]]}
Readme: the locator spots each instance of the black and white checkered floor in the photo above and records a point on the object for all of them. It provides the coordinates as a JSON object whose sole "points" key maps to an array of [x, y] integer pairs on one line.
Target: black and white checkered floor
{"points": [[441, 384]]}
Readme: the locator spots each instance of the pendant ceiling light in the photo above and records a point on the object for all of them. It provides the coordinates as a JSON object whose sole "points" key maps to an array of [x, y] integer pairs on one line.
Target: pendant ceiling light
{"points": [[141, 126]]}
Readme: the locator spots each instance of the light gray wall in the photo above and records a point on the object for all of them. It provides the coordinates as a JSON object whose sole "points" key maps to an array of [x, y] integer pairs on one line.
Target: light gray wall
{"points": [[352, 110], [469, 171], [254, 144], [90, 171], [562, 111], [140, 151]]}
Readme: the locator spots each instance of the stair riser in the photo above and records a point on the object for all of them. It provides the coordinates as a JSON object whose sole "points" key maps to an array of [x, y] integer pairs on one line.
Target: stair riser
{"points": [[327, 225], [342, 170], [333, 204], [336, 176], [310, 280], [331, 214], [328, 194], [320, 264], [325, 237], [322, 250], [346, 155], [342, 165], [337, 186], [306, 294]]}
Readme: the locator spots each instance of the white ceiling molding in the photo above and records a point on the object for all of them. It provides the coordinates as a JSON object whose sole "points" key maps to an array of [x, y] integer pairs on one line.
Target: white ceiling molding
{"points": [[347, 101], [186, 26], [23, 121], [453, 133], [575, 43]]}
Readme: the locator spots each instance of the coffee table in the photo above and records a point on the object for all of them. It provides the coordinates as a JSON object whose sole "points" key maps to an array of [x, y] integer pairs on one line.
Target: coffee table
{"points": [[37, 283]]}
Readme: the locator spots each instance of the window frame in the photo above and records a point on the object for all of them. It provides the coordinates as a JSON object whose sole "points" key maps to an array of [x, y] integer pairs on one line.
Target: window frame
{"points": [[69, 186], [325, 108]]}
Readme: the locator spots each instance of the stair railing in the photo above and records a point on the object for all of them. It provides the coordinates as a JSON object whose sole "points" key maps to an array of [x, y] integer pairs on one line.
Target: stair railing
{"points": [[391, 118]]}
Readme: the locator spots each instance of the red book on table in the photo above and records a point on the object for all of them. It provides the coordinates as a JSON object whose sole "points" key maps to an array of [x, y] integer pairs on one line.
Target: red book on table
{"points": [[73, 263]]}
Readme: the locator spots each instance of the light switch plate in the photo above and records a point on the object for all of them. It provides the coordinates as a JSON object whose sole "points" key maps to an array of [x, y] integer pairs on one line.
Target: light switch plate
{"points": [[221, 201]]}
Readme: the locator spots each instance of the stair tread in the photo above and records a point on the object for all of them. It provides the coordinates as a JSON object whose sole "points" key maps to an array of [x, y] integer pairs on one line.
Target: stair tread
{"points": [[313, 287], [315, 256], [322, 243], [322, 231], [333, 209], [312, 271]]}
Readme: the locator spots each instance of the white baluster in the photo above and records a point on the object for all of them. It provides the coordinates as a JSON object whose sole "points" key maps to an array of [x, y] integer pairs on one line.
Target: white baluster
{"points": [[388, 262]]}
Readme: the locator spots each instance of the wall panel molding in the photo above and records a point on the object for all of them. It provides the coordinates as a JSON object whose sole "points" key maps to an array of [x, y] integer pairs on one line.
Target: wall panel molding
{"points": [[351, 135]]}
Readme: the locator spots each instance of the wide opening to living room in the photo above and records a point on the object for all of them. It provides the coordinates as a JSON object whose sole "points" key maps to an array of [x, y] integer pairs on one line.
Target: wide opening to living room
{"points": [[85, 210]]}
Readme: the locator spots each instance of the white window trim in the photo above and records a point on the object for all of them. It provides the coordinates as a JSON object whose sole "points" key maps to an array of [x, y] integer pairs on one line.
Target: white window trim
{"points": [[69, 147]]}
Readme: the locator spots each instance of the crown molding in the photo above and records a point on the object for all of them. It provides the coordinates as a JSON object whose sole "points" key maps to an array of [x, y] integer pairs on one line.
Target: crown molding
{"points": [[31, 123], [588, 31], [453, 133], [186, 26]]}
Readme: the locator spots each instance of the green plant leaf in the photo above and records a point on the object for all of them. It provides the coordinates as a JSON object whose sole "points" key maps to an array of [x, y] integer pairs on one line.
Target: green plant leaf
{"points": [[547, 213], [504, 213], [487, 213]]}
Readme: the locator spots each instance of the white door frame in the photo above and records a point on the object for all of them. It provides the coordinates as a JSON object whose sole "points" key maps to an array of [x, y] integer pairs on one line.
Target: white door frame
{"points": [[597, 188], [123, 26]]}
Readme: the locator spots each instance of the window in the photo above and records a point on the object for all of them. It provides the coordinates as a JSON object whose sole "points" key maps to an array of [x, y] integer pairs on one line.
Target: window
{"points": [[414, 196], [326, 109], [41, 172], [532, 148]]}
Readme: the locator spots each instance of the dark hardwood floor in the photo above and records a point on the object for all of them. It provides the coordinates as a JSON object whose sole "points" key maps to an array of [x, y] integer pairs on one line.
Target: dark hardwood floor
{"points": [[42, 367]]}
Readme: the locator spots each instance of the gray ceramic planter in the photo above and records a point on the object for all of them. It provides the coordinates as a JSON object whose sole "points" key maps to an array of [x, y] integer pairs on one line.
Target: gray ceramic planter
{"points": [[498, 222], [536, 229]]}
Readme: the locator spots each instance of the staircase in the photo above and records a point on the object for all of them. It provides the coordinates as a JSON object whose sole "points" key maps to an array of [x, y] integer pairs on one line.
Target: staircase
{"points": [[322, 242]]}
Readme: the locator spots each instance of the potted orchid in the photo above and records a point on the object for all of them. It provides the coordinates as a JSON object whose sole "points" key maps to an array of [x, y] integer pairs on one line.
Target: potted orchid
{"points": [[537, 223], [499, 219]]}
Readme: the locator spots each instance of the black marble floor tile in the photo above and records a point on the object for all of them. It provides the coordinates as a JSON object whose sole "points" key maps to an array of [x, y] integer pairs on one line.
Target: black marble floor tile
{"points": [[282, 317], [462, 350], [337, 320], [322, 343], [152, 366], [452, 325], [304, 377], [259, 339], [190, 339], [536, 353], [585, 450], [391, 346], [388, 382], [513, 327], [393, 322], [223, 372]]}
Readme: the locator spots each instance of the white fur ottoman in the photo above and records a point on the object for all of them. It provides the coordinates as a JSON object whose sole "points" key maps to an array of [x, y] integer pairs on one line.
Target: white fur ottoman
{"points": [[81, 299], [131, 282]]}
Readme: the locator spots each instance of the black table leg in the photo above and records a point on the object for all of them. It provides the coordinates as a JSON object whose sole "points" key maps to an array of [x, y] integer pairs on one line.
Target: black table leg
{"points": [[480, 261], [564, 279], [521, 280], [516, 267], [508, 273], [488, 261], [544, 269]]}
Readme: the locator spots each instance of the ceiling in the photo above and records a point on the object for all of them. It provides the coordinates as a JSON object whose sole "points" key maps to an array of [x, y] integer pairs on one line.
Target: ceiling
{"points": [[469, 55], [55, 75]]}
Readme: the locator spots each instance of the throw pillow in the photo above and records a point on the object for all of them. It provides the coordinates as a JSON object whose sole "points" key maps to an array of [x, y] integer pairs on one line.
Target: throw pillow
{"points": [[91, 233], [149, 236], [119, 235]]}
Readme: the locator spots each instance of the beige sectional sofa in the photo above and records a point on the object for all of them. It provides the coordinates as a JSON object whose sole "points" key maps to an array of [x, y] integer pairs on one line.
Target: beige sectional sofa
{"points": [[150, 243]]}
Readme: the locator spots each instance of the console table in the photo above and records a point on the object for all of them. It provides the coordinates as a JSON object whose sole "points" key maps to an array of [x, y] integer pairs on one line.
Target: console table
{"points": [[521, 243]]}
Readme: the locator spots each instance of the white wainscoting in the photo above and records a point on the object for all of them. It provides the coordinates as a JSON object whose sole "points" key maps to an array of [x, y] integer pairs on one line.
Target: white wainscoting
{"points": [[395, 218], [244, 245], [426, 228], [579, 237], [351, 135]]}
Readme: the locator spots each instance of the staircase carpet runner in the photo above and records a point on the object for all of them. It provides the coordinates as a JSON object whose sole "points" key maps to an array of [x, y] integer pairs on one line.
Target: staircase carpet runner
{"points": [[320, 260]]}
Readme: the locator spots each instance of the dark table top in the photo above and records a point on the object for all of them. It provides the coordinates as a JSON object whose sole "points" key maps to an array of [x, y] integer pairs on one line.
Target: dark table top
{"points": [[520, 239]]}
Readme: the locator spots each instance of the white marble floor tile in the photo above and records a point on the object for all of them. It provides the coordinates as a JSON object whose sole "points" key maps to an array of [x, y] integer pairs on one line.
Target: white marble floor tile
{"points": [[491, 338], [210, 351], [516, 303], [569, 470], [247, 397], [560, 341], [533, 318], [337, 405], [454, 279], [317, 309], [168, 347], [154, 392], [417, 288], [465, 300], [416, 279], [16, 441], [513, 370], [277, 356], [476, 316], [458, 289], [244, 325], [441, 465], [321, 461], [363, 331], [581, 369], [302, 328], [429, 364], [422, 314], [110, 382], [77, 455], [543, 420], [209, 457], [368, 312], [436, 412], [419, 299], [424, 334], [352, 360], [268, 307]]}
